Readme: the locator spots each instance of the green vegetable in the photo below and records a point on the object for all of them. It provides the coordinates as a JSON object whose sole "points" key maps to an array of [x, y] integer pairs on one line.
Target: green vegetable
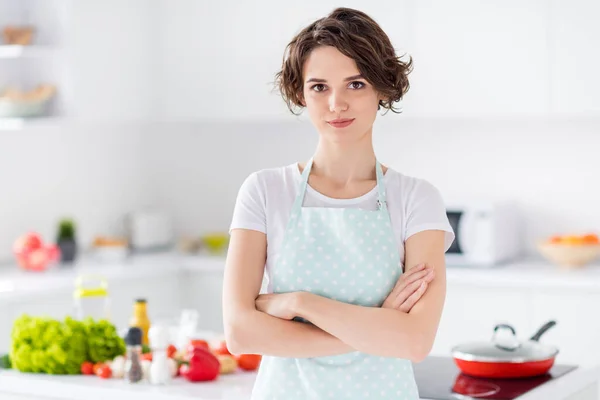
{"points": [[47, 345], [146, 349], [5, 362], [104, 343], [50, 346]]}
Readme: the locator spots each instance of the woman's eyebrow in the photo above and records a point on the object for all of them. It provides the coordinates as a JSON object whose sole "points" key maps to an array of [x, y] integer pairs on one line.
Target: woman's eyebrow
{"points": [[350, 78]]}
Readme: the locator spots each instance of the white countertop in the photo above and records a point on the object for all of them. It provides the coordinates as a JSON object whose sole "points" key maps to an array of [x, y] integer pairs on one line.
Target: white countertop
{"points": [[16, 283], [236, 386]]}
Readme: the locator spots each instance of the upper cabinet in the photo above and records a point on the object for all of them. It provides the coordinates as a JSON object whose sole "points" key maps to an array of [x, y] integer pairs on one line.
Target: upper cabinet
{"points": [[575, 60], [32, 68]]}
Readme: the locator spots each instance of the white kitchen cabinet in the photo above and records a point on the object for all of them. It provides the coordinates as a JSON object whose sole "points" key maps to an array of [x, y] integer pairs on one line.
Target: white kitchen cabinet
{"points": [[479, 58], [575, 65], [471, 313], [577, 326]]}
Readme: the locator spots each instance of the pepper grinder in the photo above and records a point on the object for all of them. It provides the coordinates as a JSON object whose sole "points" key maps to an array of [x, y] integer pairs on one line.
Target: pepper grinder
{"points": [[160, 372]]}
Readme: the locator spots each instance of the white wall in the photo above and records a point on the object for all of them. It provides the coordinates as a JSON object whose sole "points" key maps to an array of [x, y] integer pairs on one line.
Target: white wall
{"points": [[550, 168], [173, 105]]}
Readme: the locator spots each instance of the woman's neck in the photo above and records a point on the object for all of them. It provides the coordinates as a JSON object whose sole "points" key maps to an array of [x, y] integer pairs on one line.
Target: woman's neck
{"points": [[344, 163]]}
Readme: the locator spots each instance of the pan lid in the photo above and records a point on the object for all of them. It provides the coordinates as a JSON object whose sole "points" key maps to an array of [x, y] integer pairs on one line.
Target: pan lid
{"points": [[511, 350]]}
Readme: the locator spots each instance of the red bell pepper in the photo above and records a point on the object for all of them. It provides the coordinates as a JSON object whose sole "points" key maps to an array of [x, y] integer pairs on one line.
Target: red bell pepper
{"points": [[203, 366]]}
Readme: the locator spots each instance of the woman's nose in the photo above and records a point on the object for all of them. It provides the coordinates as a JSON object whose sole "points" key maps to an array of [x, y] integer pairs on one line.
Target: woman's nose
{"points": [[337, 103]]}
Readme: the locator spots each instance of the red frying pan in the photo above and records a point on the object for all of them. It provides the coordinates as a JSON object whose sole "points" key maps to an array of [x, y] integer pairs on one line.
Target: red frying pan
{"points": [[507, 358]]}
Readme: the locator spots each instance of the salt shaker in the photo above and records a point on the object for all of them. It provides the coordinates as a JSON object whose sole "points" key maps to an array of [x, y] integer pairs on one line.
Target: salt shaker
{"points": [[160, 371]]}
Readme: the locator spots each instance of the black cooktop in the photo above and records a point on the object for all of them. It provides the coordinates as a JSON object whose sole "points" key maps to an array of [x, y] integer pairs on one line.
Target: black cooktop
{"points": [[439, 377]]}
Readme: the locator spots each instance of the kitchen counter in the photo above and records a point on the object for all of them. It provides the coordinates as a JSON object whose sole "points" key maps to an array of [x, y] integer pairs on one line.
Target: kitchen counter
{"points": [[580, 384], [16, 283]]}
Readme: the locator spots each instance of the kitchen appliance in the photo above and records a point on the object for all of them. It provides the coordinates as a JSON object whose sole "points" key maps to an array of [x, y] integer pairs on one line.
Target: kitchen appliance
{"points": [[438, 378], [510, 358], [486, 234], [149, 230]]}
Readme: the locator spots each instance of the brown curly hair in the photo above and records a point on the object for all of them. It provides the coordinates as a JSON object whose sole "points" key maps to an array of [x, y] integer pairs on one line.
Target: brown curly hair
{"points": [[356, 35]]}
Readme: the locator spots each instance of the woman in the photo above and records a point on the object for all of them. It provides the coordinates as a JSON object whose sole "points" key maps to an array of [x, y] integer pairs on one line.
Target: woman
{"points": [[350, 246]]}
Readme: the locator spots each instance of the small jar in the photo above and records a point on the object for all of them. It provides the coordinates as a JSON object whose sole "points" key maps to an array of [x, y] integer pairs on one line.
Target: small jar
{"points": [[133, 366]]}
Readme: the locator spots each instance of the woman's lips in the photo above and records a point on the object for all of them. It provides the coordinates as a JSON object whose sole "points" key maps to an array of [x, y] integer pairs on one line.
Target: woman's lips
{"points": [[341, 123]]}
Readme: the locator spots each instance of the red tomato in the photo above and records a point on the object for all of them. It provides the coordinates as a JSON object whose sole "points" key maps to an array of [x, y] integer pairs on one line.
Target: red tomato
{"points": [[87, 368], [104, 372], [171, 350], [196, 343], [97, 366], [249, 362], [147, 356], [199, 343], [222, 349]]}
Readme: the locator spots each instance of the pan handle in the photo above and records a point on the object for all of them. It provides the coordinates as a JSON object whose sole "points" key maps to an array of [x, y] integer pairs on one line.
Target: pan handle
{"points": [[542, 330]]}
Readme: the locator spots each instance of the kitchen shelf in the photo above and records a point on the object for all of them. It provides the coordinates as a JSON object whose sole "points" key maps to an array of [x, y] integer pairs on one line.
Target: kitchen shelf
{"points": [[16, 124], [16, 51]]}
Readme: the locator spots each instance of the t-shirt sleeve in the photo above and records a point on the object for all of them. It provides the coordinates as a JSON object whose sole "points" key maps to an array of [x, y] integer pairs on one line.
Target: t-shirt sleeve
{"points": [[426, 211], [249, 211]]}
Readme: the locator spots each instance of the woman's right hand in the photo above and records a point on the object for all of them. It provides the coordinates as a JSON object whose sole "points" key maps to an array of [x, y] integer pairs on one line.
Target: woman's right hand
{"points": [[409, 288]]}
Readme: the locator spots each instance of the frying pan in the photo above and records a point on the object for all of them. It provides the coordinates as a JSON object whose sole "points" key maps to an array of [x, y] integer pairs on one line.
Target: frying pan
{"points": [[506, 359]]}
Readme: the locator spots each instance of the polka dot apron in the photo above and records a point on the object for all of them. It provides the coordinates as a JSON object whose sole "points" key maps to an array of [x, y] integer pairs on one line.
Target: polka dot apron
{"points": [[348, 255]]}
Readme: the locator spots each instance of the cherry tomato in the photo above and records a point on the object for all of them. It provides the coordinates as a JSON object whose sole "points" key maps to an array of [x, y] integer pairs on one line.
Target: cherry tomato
{"points": [[87, 368], [249, 362], [171, 350], [104, 372], [97, 366]]}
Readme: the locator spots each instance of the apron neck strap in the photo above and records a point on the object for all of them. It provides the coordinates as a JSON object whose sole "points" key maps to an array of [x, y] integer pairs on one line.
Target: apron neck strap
{"points": [[381, 202]]}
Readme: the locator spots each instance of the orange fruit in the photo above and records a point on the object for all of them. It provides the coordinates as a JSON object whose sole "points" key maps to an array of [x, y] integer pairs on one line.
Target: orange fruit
{"points": [[591, 238], [572, 240], [555, 239]]}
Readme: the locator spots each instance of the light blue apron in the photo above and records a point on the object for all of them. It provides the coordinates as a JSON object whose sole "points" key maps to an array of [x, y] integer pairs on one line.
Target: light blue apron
{"points": [[349, 255]]}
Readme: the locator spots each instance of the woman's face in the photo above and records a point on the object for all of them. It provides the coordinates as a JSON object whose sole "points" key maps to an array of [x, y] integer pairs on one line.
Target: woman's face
{"points": [[334, 90]]}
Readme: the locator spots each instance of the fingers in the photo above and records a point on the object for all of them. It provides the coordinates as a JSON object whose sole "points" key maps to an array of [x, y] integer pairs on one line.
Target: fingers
{"points": [[410, 272], [407, 284], [413, 298], [405, 293]]}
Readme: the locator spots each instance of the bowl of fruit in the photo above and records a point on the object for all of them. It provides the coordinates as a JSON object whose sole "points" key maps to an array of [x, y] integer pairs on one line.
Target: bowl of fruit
{"points": [[571, 251]]}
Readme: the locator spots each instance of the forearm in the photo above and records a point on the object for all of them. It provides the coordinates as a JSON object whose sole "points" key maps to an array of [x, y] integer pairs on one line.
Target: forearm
{"points": [[378, 331], [258, 333]]}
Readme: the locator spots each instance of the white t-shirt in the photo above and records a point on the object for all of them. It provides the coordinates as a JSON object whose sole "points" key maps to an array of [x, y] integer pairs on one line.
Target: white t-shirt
{"points": [[265, 200]]}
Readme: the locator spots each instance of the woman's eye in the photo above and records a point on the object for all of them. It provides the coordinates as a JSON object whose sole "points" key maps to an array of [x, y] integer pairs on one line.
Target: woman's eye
{"points": [[357, 85], [318, 87]]}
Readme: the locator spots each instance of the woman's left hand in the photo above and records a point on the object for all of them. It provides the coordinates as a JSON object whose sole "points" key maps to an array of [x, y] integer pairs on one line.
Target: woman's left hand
{"points": [[280, 305]]}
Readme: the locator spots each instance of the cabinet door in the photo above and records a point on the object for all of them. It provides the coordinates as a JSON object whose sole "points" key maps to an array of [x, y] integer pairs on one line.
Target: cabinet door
{"points": [[470, 314], [577, 325], [575, 65], [479, 58]]}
